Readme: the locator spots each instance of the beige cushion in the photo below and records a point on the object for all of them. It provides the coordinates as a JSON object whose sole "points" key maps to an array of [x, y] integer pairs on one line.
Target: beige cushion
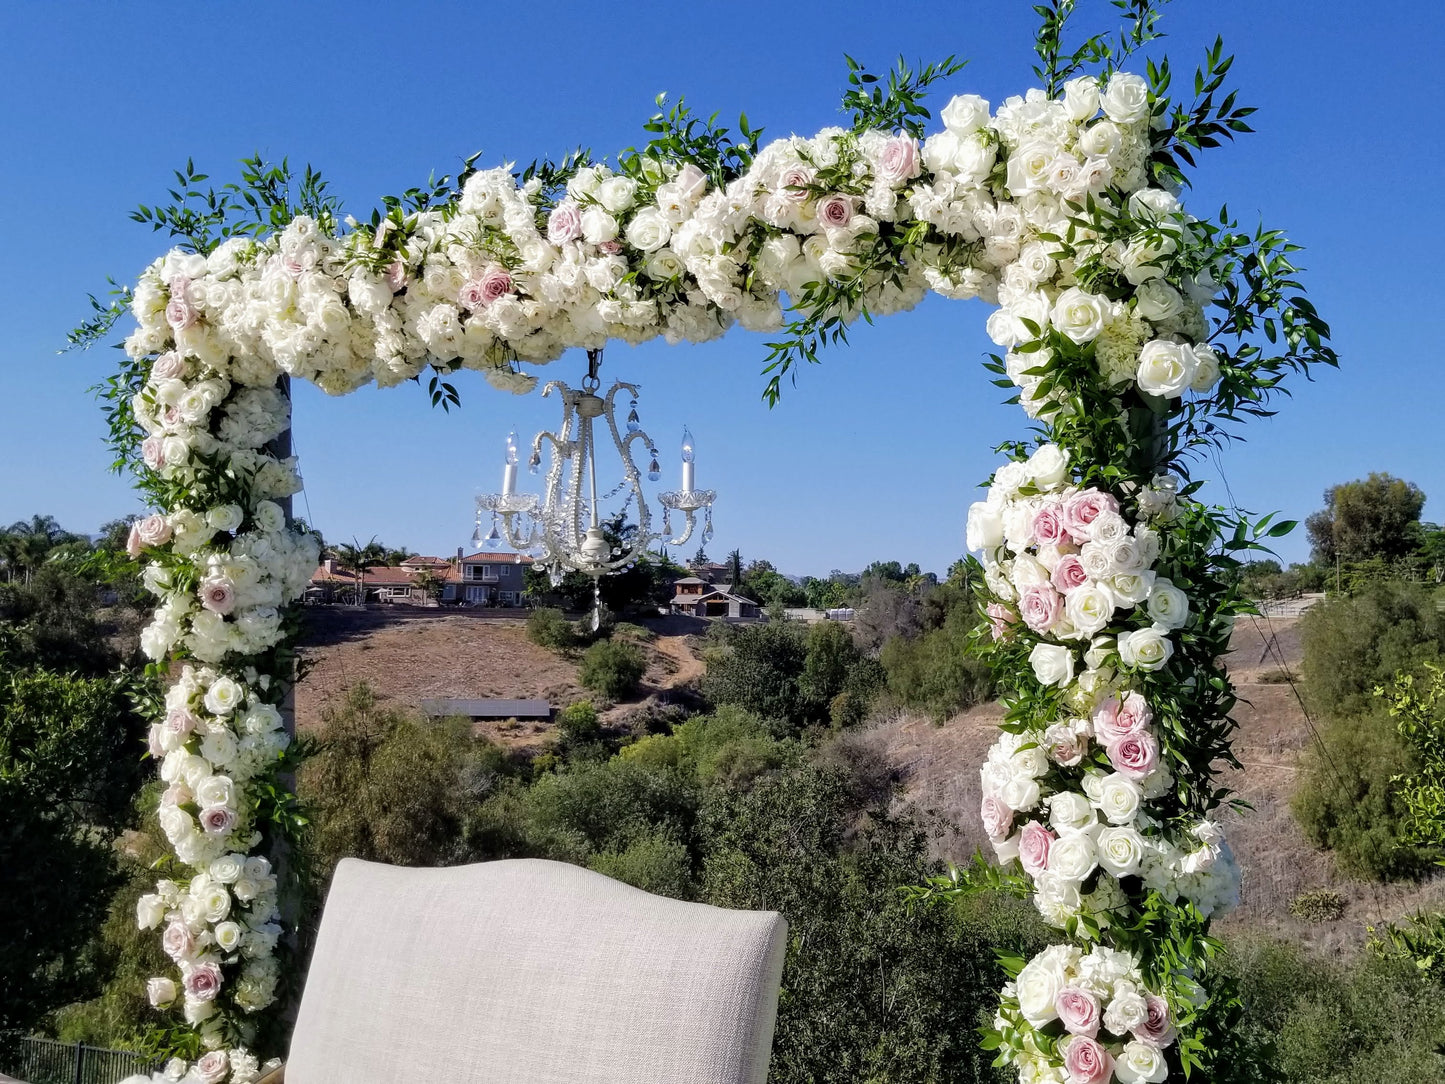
{"points": [[532, 972]]}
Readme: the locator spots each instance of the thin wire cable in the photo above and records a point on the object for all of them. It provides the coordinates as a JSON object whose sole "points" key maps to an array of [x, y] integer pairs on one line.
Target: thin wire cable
{"points": [[1272, 645]]}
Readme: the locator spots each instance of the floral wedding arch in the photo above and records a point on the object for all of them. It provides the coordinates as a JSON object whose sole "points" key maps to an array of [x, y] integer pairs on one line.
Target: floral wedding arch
{"points": [[1107, 609]]}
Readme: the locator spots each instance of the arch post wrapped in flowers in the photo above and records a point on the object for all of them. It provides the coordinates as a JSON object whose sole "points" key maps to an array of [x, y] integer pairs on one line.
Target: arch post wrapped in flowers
{"points": [[1133, 334]]}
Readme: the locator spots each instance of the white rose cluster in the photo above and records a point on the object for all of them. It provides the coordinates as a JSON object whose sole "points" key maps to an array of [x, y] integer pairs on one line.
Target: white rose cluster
{"points": [[220, 928], [1103, 1023], [236, 1065], [1068, 798], [503, 276]]}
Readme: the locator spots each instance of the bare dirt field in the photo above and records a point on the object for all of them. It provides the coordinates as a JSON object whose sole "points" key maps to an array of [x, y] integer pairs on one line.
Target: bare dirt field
{"points": [[940, 769], [410, 655]]}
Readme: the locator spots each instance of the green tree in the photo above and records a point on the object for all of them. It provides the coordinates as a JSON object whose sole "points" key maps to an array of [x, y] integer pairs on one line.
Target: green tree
{"points": [[69, 768], [761, 671], [1378, 516], [612, 668], [385, 786]]}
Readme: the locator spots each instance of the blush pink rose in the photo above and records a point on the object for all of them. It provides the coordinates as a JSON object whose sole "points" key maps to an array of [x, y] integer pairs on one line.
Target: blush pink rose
{"points": [[154, 530], [203, 981], [997, 818], [1117, 719], [133, 545], [564, 223], [180, 721], [212, 1067], [153, 740], [1001, 619], [395, 276], [836, 211], [1034, 844], [180, 313], [218, 596], [1049, 527], [1135, 755], [794, 183], [152, 452], [1041, 607], [1079, 1011], [1069, 574], [1083, 508], [217, 820], [169, 366], [1087, 1062], [610, 248], [899, 160], [1158, 1028], [177, 941]]}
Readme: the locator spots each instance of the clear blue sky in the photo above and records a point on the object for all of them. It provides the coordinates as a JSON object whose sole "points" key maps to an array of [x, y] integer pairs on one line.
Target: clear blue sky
{"points": [[876, 453]]}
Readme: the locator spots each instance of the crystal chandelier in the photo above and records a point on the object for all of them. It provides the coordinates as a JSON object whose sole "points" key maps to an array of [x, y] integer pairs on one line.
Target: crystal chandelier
{"points": [[562, 530]]}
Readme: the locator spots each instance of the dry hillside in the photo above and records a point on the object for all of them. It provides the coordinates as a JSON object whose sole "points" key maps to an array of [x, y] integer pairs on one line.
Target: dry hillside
{"points": [[939, 765], [410, 655]]}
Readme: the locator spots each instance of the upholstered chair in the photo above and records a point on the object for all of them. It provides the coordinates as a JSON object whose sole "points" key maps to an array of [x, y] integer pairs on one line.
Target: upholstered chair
{"points": [[531, 972]]}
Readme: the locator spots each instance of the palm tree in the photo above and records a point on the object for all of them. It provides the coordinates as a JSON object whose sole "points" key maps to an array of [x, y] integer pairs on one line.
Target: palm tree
{"points": [[358, 558]]}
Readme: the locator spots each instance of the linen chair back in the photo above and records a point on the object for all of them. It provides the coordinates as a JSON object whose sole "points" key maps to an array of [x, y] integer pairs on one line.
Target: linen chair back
{"points": [[532, 972]]}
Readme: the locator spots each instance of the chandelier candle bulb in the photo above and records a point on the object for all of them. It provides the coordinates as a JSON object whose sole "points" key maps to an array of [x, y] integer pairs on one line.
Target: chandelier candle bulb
{"points": [[687, 458], [509, 471]]}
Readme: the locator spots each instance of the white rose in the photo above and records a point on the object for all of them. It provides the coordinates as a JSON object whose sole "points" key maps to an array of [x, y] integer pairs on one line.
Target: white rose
{"points": [[1052, 663], [1140, 1063], [1168, 606], [1132, 588], [1146, 649], [1121, 849], [985, 527], [223, 697], [1127, 1009], [1165, 368], [663, 265], [965, 114], [598, 226], [227, 869], [1117, 797], [227, 935], [215, 900], [649, 230], [1049, 466], [1072, 856], [1157, 301], [161, 992], [1070, 811], [1081, 97], [1020, 793], [1037, 988], [616, 194], [1126, 99], [1081, 315], [1206, 368], [150, 911], [226, 517], [214, 790], [1090, 608], [269, 517]]}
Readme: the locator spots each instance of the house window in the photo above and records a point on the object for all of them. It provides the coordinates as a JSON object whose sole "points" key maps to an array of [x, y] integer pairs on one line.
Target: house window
{"points": [[489, 574], [476, 594]]}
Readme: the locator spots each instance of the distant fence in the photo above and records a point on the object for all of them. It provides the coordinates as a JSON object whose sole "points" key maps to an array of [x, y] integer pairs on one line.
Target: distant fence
{"points": [[45, 1061]]}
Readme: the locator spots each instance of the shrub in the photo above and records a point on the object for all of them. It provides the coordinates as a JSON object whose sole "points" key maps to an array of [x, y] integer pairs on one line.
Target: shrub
{"points": [[761, 672], [550, 629], [1352, 645], [1347, 802], [626, 630], [932, 672], [578, 722], [1309, 1021], [612, 668], [654, 862], [1324, 905]]}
